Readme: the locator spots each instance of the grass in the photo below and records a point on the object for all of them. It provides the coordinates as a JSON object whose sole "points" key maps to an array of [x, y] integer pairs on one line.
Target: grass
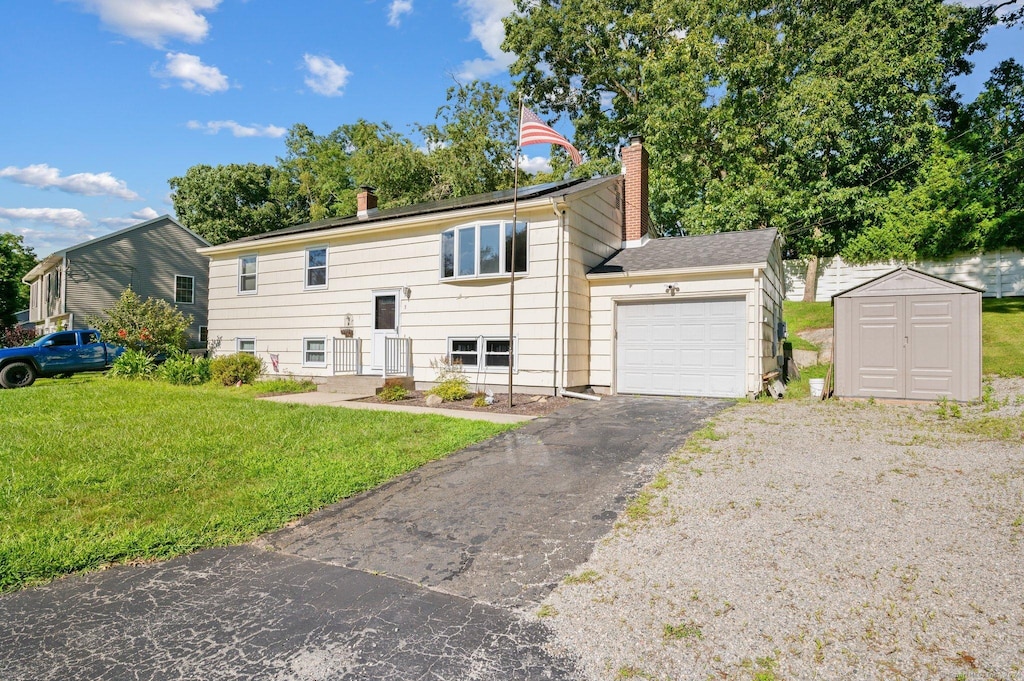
{"points": [[801, 317], [676, 632], [1002, 327], [96, 471]]}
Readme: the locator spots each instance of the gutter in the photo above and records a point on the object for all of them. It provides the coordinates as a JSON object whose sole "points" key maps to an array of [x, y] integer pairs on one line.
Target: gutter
{"points": [[657, 274]]}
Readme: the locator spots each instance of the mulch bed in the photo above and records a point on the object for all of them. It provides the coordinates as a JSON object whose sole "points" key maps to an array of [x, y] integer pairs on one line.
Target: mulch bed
{"points": [[522, 405]]}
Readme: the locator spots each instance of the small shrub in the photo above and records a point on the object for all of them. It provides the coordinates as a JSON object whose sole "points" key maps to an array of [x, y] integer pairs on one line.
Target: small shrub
{"points": [[154, 325], [16, 336], [133, 364], [241, 366], [183, 369], [451, 390], [392, 393], [481, 401]]}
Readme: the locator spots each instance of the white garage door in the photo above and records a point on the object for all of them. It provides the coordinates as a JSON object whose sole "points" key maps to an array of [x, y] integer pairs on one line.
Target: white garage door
{"points": [[684, 347]]}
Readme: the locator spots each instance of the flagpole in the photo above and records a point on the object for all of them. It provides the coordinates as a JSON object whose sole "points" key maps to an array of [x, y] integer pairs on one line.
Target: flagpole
{"points": [[512, 259]]}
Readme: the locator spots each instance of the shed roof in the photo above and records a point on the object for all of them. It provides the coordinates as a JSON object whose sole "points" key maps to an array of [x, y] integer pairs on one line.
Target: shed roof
{"points": [[684, 252], [905, 281]]}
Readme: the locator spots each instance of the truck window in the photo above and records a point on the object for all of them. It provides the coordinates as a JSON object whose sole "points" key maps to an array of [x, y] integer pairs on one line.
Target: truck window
{"points": [[90, 337], [65, 339]]}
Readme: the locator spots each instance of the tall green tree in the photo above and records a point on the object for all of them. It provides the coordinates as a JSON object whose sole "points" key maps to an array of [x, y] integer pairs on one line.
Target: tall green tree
{"points": [[16, 259], [787, 113], [226, 202]]}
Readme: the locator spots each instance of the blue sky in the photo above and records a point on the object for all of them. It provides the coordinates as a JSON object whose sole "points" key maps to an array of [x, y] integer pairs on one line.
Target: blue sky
{"points": [[107, 99]]}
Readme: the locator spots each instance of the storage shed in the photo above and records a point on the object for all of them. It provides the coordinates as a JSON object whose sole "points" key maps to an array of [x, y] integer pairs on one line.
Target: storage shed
{"points": [[908, 335]]}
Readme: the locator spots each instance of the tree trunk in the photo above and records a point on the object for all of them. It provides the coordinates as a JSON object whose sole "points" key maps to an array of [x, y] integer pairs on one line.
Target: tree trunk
{"points": [[811, 280]]}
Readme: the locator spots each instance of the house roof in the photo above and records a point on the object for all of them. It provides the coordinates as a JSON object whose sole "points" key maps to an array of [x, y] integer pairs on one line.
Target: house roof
{"points": [[475, 201], [905, 281], [684, 252], [55, 257]]}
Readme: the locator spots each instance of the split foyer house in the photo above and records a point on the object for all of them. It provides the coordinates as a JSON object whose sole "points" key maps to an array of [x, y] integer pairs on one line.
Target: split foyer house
{"points": [[156, 258], [597, 302]]}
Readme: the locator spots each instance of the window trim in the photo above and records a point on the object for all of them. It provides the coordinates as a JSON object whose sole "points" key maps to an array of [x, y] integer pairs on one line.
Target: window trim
{"points": [[502, 273], [305, 352], [326, 267], [254, 275], [481, 353], [204, 330], [238, 345], [192, 289]]}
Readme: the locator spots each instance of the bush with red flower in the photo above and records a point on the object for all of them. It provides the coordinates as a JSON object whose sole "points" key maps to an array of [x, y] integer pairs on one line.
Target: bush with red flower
{"points": [[152, 326]]}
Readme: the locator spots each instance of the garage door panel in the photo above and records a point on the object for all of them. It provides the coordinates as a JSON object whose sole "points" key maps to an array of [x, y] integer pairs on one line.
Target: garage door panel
{"points": [[682, 347]]}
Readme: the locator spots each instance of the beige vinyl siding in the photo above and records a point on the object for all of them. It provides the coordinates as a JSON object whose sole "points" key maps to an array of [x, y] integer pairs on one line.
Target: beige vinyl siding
{"points": [[283, 311], [772, 294], [593, 234], [605, 292], [147, 259]]}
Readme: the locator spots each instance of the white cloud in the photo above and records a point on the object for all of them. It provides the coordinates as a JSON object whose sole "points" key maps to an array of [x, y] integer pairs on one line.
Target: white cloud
{"points": [[43, 176], [535, 164], [134, 218], [153, 22], [237, 129], [63, 217], [485, 27], [397, 9], [193, 73], [325, 77]]}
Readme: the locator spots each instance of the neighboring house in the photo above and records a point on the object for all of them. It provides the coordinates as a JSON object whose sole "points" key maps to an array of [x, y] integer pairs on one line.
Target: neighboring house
{"points": [[597, 303], [22, 319], [157, 259]]}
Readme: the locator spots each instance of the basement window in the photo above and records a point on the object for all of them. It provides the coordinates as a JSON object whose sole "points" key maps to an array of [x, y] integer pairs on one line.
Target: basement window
{"points": [[482, 353]]}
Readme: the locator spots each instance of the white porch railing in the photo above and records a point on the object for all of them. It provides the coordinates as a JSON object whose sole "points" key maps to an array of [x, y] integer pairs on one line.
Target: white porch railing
{"points": [[397, 356], [348, 353]]}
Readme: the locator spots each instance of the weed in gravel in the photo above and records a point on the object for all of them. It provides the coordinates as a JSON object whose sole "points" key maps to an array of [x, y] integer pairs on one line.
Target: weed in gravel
{"points": [[639, 510], [632, 673], [660, 481], [585, 577], [994, 428], [547, 610], [678, 632]]}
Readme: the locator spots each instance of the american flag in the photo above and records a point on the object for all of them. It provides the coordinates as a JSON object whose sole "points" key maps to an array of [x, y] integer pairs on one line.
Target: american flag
{"points": [[535, 131]]}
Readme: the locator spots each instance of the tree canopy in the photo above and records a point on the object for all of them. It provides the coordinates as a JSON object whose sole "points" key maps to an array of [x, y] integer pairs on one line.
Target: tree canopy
{"points": [[16, 259], [811, 117]]}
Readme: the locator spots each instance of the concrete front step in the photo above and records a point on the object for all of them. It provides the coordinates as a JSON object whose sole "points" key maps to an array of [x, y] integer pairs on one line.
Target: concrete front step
{"points": [[360, 384]]}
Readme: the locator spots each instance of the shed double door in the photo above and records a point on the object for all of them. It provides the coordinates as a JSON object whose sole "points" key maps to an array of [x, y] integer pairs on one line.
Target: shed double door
{"points": [[906, 347]]}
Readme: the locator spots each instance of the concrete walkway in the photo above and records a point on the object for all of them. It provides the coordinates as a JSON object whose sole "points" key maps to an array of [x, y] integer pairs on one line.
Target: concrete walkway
{"points": [[433, 576], [346, 400]]}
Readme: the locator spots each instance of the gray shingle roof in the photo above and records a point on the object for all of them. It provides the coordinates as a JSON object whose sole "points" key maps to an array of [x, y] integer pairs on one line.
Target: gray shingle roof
{"points": [[492, 198], [684, 252]]}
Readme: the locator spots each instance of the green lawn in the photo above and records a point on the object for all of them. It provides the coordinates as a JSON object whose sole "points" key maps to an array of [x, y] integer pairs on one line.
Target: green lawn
{"points": [[1002, 336], [97, 470]]}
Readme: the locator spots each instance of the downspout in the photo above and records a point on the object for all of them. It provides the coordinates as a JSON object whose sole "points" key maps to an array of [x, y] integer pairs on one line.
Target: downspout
{"points": [[558, 205]]}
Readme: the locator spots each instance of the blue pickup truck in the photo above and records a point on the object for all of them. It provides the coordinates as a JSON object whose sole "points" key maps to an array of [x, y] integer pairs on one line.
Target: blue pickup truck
{"points": [[63, 352]]}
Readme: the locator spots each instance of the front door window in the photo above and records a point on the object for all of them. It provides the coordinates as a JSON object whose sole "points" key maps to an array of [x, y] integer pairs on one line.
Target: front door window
{"points": [[384, 314]]}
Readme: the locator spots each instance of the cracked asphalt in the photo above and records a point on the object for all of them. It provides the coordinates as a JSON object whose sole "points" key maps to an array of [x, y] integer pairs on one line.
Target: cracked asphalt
{"points": [[433, 576]]}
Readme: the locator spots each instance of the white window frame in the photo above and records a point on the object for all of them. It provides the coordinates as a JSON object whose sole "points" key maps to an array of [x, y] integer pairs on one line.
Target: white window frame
{"points": [[305, 352], [305, 270], [502, 255], [192, 289], [254, 275], [245, 339], [481, 353]]}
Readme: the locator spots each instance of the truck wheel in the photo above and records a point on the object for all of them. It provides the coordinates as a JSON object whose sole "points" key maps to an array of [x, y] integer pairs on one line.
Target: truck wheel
{"points": [[17, 375]]}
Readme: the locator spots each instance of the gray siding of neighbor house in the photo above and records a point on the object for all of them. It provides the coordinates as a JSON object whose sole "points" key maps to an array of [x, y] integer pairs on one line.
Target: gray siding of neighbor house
{"points": [[147, 259]]}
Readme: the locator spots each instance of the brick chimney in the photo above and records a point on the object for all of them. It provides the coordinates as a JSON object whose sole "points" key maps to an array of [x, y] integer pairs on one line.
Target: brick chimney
{"points": [[366, 202], [637, 216]]}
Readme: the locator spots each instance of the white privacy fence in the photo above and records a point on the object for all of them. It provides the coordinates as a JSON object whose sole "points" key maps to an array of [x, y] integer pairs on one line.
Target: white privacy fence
{"points": [[999, 274]]}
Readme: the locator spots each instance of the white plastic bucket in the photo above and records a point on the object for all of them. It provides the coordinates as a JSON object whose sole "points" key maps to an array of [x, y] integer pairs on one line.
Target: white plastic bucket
{"points": [[817, 386]]}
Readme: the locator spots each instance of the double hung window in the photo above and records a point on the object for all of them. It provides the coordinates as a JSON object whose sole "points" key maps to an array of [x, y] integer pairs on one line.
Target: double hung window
{"points": [[184, 290], [316, 267], [314, 352], [247, 274]]}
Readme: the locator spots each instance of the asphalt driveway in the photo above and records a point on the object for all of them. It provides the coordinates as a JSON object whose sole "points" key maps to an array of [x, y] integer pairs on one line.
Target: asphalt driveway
{"points": [[434, 576]]}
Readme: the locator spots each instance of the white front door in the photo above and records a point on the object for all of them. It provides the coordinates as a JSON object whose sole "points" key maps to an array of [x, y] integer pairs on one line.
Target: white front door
{"points": [[385, 324]]}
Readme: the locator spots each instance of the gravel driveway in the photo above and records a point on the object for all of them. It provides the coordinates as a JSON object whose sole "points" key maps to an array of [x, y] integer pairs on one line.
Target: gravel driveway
{"points": [[810, 540]]}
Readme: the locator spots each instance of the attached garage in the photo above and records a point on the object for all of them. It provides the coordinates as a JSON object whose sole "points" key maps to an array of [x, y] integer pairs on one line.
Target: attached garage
{"points": [[682, 347], [688, 316], [908, 335]]}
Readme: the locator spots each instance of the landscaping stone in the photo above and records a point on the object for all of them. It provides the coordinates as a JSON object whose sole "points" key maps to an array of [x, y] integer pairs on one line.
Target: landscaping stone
{"points": [[433, 401]]}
